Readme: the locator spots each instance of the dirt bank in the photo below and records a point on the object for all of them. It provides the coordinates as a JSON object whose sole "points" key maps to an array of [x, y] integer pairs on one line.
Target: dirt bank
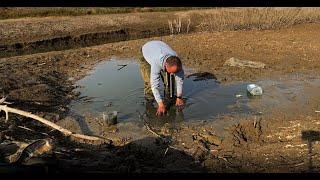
{"points": [[34, 35]]}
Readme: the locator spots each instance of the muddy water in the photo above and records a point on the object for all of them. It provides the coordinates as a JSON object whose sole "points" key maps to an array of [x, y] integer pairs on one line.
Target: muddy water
{"points": [[114, 87], [293, 95], [111, 86]]}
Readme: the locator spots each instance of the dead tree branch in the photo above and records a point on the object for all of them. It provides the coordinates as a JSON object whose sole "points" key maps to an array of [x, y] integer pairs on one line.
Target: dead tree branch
{"points": [[64, 131]]}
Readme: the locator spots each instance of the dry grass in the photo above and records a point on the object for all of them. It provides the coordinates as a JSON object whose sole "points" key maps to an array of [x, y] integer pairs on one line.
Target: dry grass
{"points": [[203, 19], [257, 18], [10, 13]]}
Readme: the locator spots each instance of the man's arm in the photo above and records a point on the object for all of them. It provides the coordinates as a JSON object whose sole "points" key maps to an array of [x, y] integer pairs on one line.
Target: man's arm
{"points": [[179, 77], [155, 84]]}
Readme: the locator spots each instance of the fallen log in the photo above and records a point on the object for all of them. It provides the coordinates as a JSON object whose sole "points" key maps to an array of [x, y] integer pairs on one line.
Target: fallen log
{"points": [[64, 131]]}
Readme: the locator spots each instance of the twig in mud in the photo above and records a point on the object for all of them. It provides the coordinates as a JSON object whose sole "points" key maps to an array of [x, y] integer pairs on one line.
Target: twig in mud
{"points": [[162, 138], [41, 64], [317, 111], [147, 126], [165, 152], [175, 148], [154, 133], [223, 158], [58, 152], [52, 130], [3, 101], [28, 129], [123, 65], [64, 131], [299, 164]]}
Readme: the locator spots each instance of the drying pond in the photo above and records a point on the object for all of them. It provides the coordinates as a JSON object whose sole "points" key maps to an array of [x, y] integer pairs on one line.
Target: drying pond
{"points": [[117, 86]]}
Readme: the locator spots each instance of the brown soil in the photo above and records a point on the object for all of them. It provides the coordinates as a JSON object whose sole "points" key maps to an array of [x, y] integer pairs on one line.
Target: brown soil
{"points": [[34, 35], [279, 141]]}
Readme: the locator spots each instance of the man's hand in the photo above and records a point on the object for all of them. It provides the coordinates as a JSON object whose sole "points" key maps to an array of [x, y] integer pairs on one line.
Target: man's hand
{"points": [[161, 109], [179, 102]]}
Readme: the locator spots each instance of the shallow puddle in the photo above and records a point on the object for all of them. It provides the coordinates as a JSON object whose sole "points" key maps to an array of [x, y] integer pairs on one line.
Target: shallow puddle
{"points": [[118, 86]]}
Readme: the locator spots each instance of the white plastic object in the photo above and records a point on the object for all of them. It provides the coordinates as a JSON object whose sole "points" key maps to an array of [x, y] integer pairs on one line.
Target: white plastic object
{"points": [[254, 89]]}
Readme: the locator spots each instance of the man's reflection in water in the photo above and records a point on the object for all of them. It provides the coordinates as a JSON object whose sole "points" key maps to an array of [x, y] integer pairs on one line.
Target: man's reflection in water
{"points": [[173, 116]]}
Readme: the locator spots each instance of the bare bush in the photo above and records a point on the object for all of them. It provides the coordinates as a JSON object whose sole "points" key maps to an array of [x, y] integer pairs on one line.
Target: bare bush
{"points": [[170, 26], [188, 26], [176, 26]]}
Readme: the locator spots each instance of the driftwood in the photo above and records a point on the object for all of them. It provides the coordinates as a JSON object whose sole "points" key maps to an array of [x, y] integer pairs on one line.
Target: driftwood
{"points": [[64, 131]]}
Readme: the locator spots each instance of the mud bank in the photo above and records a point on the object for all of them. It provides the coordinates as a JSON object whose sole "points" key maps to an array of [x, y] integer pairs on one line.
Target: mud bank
{"points": [[84, 40], [36, 35]]}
